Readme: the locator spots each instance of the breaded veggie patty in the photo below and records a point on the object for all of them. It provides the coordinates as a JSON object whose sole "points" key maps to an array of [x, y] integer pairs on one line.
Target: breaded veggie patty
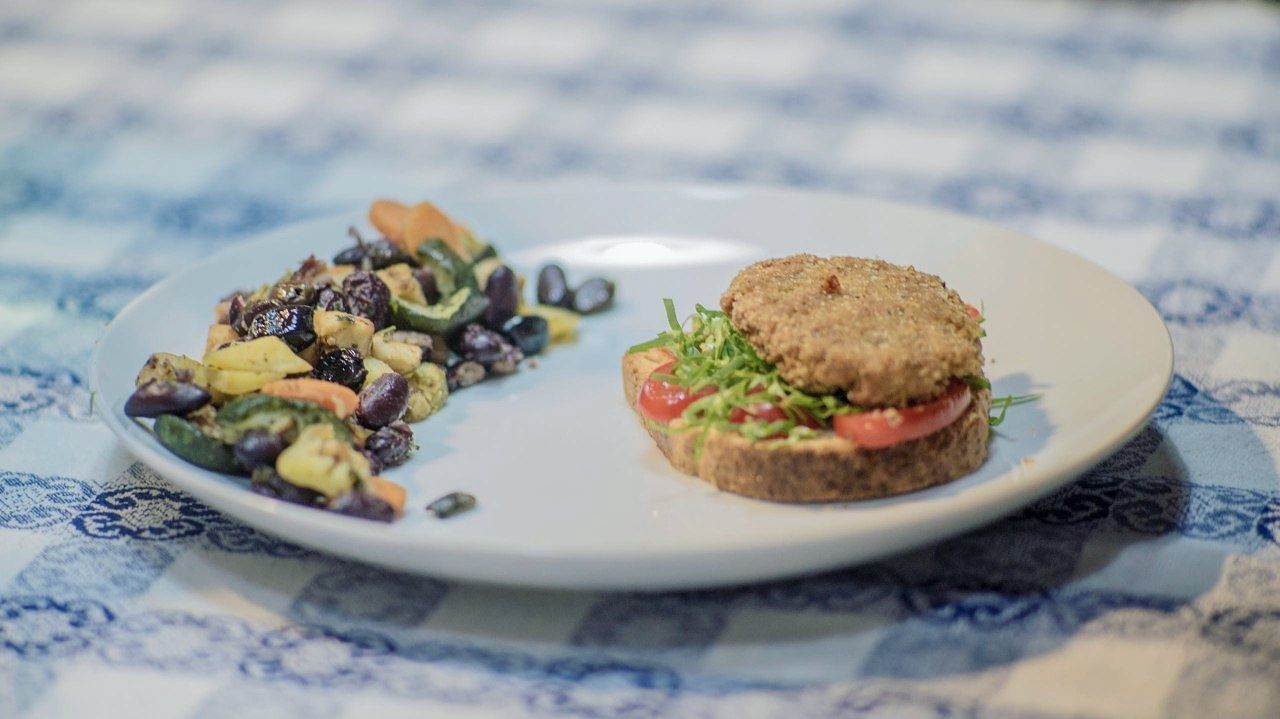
{"points": [[883, 334]]}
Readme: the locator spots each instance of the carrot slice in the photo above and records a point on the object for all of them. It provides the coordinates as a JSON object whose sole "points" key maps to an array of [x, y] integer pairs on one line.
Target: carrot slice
{"points": [[388, 217], [425, 221], [330, 395]]}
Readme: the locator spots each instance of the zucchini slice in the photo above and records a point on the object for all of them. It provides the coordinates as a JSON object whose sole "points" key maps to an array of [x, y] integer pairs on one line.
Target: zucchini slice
{"points": [[188, 442], [264, 411], [464, 305], [451, 271]]}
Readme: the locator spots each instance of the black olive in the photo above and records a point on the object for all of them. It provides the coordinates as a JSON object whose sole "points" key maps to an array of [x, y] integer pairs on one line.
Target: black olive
{"points": [[251, 309], [385, 253], [331, 299], [367, 296], [350, 256], [291, 323], [342, 366], [258, 448], [463, 373], [503, 292], [529, 332], [156, 397], [374, 255], [553, 288], [293, 293], [480, 344], [267, 482], [592, 296], [363, 505], [427, 279], [383, 401], [391, 445]]}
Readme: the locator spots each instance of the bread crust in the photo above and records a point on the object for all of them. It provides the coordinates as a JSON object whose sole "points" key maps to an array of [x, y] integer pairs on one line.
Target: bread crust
{"points": [[883, 334], [824, 469]]}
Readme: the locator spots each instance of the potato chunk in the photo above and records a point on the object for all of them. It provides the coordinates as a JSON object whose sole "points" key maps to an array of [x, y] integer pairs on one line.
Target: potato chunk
{"points": [[264, 354], [319, 461], [341, 329], [400, 356]]}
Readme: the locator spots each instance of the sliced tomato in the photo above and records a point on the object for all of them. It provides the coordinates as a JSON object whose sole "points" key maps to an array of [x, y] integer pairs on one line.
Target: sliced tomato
{"points": [[769, 412], [880, 428], [974, 312], [663, 401]]}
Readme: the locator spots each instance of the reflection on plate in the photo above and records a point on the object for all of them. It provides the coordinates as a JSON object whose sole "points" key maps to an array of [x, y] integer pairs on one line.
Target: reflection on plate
{"points": [[573, 493], [641, 251]]}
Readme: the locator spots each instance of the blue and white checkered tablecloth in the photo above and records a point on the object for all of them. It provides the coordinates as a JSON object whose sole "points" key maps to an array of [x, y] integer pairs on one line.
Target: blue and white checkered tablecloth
{"points": [[137, 136]]}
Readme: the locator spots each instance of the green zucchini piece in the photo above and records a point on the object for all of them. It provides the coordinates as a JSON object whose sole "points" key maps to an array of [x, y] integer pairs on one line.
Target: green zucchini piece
{"points": [[188, 442], [264, 411], [466, 304], [450, 270]]}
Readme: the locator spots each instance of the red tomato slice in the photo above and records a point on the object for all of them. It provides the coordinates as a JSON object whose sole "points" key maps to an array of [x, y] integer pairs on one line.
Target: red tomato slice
{"points": [[768, 412], [880, 428], [663, 401], [974, 312]]}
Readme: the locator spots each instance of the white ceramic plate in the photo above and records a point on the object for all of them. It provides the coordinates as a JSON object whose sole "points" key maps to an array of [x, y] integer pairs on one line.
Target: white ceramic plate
{"points": [[572, 493]]}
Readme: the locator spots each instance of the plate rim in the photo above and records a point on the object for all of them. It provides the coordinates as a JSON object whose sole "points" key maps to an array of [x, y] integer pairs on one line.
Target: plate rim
{"points": [[975, 510]]}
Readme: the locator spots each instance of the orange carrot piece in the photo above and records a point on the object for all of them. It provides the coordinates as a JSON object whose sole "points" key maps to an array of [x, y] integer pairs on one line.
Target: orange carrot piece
{"points": [[332, 396], [425, 221], [388, 217]]}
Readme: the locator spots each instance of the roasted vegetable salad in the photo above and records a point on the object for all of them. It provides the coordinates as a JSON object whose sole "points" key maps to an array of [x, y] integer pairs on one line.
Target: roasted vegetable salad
{"points": [[307, 385]]}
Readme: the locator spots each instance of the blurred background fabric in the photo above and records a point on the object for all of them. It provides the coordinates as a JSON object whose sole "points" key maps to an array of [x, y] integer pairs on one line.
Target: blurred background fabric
{"points": [[139, 136]]}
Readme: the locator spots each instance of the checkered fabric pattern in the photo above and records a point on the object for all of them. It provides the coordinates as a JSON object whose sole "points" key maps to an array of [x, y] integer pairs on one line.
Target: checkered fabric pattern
{"points": [[137, 136]]}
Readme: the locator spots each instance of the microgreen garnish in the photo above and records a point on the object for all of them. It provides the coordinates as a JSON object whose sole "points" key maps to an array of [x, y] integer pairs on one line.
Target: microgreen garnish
{"points": [[712, 353], [1004, 403]]}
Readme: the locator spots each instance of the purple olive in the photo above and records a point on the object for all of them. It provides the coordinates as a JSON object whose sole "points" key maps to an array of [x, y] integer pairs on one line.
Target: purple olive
{"points": [[592, 296], [363, 505], [391, 445], [258, 448], [383, 401], [480, 344], [241, 320], [367, 296], [329, 298], [504, 296], [553, 288], [156, 397], [267, 483]]}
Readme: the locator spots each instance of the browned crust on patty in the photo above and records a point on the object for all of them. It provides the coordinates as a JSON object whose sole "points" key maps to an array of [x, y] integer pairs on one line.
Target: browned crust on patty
{"points": [[883, 334], [824, 469]]}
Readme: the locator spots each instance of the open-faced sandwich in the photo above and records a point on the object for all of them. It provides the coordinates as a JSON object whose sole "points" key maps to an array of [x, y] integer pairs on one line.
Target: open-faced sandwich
{"points": [[820, 379]]}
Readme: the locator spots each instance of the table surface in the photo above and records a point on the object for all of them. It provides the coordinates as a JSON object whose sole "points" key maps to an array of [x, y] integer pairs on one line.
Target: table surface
{"points": [[138, 136]]}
